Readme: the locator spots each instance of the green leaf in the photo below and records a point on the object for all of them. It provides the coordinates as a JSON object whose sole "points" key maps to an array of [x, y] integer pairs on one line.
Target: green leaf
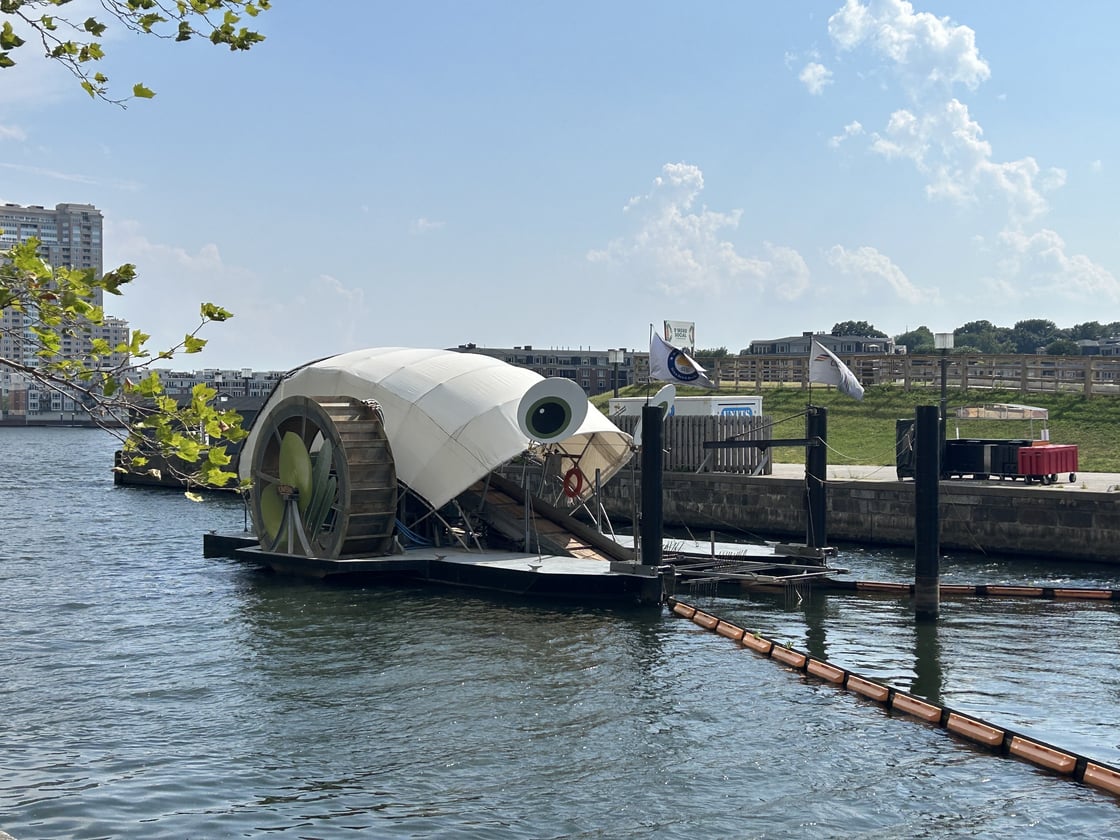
{"points": [[8, 37], [136, 346], [212, 312], [188, 449], [150, 386], [141, 92], [217, 456], [193, 344]]}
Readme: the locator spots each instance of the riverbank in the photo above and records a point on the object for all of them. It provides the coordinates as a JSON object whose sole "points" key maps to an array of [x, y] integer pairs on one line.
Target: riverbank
{"points": [[1077, 521], [863, 432]]}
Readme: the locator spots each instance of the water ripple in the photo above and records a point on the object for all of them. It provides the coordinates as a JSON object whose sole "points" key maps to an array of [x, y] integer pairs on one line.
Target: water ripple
{"points": [[152, 693]]}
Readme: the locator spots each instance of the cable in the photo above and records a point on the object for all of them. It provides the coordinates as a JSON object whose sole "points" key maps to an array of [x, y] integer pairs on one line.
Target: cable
{"points": [[411, 535]]}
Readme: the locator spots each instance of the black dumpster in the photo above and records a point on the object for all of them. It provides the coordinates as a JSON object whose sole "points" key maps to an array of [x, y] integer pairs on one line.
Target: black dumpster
{"points": [[981, 458]]}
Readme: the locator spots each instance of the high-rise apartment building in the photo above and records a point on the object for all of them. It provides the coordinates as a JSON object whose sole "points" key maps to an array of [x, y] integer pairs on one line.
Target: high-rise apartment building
{"points": [[69, 235]]}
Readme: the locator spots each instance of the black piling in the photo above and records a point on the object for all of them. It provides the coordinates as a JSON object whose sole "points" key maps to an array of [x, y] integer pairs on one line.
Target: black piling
{"points": [[652, 507], [816, 471], [927, 520]]}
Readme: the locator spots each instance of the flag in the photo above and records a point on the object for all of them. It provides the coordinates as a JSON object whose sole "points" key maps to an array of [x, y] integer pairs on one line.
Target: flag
{"points": [[825, 368], [668, 364]]}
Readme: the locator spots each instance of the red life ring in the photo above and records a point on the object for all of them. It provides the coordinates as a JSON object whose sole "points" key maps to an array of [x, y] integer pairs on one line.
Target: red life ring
{"points": [[572, 489]]}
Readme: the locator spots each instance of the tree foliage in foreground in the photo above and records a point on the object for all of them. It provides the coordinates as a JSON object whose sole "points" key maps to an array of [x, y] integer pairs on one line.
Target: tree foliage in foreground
{"points": [[115, 384], [77, 44]]}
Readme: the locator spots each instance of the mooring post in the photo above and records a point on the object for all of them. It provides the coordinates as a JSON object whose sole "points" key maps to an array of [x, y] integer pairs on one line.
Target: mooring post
{"points": [[927, 519], [652, 511], [816, 471]]}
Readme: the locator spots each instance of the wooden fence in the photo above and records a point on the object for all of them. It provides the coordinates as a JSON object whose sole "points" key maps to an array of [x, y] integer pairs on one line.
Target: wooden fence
{"points": [[683, 440], [1087, 375]]}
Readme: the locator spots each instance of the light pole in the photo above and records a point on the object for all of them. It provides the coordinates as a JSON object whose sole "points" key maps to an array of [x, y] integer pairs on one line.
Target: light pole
{"points": [[615, 358], [944, 343]]}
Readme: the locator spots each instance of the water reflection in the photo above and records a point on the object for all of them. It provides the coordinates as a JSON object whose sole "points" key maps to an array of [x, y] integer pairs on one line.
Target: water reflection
{"points": [[815, 610], [927, 680]]}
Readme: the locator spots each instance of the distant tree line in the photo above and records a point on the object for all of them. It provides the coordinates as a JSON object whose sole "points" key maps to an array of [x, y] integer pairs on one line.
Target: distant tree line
{"points": [[1030, 336]]}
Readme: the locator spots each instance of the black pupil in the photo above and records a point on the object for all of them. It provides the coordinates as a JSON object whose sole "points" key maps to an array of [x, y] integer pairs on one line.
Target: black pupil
{"points": [[549, 418]]}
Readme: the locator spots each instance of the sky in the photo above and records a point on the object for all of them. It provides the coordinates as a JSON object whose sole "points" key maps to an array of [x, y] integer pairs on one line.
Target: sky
{"points": [[566, 175]]}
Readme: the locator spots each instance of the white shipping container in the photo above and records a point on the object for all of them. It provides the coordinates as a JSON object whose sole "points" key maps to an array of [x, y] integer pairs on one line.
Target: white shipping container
{"points": [[693, 406]]}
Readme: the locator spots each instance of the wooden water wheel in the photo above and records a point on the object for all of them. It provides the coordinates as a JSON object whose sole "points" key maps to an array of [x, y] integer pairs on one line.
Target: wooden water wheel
{"points": [[324, 481]]}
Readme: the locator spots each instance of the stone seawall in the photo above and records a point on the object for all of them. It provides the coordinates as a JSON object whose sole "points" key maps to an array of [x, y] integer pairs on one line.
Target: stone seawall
{"points": [[996, 518]]}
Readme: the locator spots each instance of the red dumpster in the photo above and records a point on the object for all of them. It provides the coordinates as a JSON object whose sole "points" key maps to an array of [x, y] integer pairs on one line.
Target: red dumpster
{"points": [[1045, 463]]}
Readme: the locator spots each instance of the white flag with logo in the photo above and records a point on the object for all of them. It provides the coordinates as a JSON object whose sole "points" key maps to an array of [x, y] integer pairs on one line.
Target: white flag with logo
{"points": [[825, 368], [668, 364]]}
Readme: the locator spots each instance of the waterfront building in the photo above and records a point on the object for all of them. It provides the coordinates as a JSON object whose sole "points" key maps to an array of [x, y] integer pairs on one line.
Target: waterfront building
{"points": [[239, 383], [841, 345], [596, 371], [70, 235]]}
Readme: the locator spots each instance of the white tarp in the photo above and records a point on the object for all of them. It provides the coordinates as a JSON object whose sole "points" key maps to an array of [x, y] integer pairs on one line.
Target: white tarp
{"points": [[1002, 411], [450, 417]]}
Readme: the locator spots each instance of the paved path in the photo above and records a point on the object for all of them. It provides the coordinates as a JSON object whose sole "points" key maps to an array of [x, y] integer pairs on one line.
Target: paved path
{"points": [[1095, 482]]}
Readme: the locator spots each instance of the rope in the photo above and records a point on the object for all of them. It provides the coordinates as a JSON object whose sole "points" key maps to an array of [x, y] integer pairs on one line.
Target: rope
{"points": [[849, 459], [412, 536], [770, 425]]}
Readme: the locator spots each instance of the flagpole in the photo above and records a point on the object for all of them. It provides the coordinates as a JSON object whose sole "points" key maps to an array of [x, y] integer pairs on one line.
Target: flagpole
{"points": [[649, 376]]}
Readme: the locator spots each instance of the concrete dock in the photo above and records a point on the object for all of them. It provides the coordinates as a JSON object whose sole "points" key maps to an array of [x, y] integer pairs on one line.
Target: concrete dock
{"points": [[1077, 520], [1086, 481]]}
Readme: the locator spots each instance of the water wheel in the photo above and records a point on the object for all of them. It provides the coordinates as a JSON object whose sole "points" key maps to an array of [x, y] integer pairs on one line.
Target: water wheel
{"points": [[324, 481]]}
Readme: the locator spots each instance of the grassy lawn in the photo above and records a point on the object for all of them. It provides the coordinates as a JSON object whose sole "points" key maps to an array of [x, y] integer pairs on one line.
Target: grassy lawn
{"points": [[863, 432]]}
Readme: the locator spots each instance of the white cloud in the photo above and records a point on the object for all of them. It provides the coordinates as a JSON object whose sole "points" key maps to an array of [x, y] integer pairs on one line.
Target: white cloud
{"points": [[815, 77], [70, 177], [1037, 265], [422, 226], [684, 250], [874, 271], [947, 146], [786, 271], [12, 132], [274, 318], [852, 129], [925, 50], [53, 174], [1096, 165]]}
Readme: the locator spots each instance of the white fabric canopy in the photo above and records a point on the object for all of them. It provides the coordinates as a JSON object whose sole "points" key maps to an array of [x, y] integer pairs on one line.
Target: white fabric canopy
{"points": [[450, 417]]}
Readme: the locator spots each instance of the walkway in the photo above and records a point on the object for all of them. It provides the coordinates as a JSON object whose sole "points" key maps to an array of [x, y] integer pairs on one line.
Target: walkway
{"points": [[1095, 482]]}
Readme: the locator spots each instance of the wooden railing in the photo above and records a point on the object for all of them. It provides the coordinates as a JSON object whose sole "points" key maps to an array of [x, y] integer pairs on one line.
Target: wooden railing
{"points": [[1087, 375]]}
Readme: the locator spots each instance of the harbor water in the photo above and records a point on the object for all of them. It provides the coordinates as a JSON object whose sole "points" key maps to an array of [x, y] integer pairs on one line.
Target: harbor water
{"points": [[149, 692]]}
